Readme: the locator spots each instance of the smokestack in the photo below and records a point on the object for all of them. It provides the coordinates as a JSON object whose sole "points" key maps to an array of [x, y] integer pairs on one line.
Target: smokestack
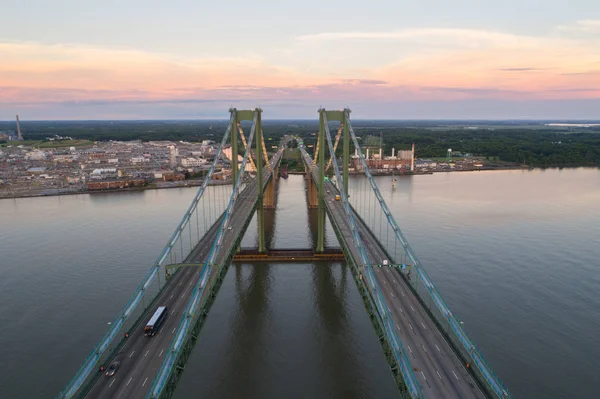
{"points": [[367, 154], [393, 152], [412, 159], [356, 152], [19, 129], [380, 157]]}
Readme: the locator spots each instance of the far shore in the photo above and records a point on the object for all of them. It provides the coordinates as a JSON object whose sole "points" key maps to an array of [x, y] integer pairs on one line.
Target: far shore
{"points": [[189, 183], [197, 183]]}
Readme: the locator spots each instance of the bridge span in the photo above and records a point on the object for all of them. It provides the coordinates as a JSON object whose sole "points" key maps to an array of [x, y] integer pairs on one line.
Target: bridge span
{"points": [[440, 372], [141, 356]]}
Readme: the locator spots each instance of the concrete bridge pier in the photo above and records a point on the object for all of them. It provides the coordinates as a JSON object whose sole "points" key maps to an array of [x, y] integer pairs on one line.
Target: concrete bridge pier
{"points": [[312, 193], [269, 196]]}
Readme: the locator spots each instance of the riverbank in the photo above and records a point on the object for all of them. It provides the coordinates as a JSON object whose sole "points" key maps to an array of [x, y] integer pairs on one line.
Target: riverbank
{"points": [[389, 172], [67, 191]]}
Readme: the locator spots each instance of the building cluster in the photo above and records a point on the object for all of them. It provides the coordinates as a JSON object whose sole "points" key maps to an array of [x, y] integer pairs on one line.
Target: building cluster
{"points": [[405, 160], [26, 170], [377, 161]]}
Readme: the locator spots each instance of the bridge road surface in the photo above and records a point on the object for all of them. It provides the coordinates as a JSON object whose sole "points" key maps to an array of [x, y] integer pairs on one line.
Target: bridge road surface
{"points": [[440, 372], [142, 356]]}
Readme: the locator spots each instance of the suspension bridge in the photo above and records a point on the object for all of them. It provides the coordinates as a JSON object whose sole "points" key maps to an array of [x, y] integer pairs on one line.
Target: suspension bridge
{"points": [[429, 354]]}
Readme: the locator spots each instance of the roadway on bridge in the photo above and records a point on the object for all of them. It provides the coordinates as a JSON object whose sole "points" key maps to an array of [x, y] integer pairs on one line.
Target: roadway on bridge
{"points": [[142, 356], [440, 372]]}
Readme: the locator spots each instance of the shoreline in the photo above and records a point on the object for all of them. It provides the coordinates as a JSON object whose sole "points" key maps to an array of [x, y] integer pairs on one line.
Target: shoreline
{"points": [[226, 182], [116, 190]]}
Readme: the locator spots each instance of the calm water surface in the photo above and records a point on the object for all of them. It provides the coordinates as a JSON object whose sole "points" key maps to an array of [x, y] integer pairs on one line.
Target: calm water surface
{"points": [[515, 253]]}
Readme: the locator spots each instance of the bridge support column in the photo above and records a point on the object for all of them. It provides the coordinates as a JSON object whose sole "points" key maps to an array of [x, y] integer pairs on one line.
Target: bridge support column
{"points": [[346, 149], [259, 179], [321, 183], [269, 198], [234, 147], [312, 193]]}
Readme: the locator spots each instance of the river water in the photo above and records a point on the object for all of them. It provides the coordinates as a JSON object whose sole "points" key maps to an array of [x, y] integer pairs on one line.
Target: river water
{"points": [[516, 254]]}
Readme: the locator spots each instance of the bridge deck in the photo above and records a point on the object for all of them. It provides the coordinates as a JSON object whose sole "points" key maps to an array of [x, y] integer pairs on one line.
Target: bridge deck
{"points": [[288, 255], [440, 372], [141, 356]]}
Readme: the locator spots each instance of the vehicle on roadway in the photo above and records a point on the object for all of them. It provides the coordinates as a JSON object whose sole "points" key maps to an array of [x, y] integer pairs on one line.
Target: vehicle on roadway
{"points": [[337, 197], [112, 369], [155, 321]]}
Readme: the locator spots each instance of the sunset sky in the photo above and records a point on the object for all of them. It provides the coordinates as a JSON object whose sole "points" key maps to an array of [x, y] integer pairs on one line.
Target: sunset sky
{"points": [[432, 59]]}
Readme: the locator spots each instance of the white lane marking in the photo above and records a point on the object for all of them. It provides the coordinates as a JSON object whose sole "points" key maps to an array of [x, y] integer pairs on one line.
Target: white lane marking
{"points": [[401, 311], [423, 348], [174, 330], [182, 296], [171, 296], [394, 281], [132, 353], [160, 354], [147, 380], [402, 293], [398, 328], [148, 351], [454, 374], [190, 283], [413, 309], [409, 348], [423, 325], [438, 348], [112, 382], [423, 376], [131, 378], [410, 325], [438, 373], [392, 295]]}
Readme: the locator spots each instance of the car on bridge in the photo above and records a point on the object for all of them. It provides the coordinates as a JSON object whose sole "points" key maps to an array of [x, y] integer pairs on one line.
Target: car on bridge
{"points": [[112, 369]]}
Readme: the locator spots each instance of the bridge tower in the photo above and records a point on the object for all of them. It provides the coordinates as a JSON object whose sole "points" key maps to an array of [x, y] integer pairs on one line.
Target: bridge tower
{"points": [[260, 211], [316, 192], [264, 200]]}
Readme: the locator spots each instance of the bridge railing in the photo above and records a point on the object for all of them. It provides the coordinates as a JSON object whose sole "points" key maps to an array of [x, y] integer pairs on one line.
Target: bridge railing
{"points": [[368, 202], [191, 312], [383, 312], [203, 211]]}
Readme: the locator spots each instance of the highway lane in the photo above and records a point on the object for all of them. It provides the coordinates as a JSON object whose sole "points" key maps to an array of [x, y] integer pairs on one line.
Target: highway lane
{"points": [[142, 356], [440, 372]]}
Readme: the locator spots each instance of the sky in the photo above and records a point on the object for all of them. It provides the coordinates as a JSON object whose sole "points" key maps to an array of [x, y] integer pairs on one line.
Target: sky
{"points": [[183, 59]]}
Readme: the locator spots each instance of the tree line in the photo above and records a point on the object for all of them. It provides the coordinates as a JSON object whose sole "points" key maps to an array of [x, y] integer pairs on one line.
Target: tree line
{"points": [[531, 144]]}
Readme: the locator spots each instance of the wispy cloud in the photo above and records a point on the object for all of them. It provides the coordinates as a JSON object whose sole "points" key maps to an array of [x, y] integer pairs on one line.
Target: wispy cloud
{"points": [[458, 37], [521, 69], [582, 26]]}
